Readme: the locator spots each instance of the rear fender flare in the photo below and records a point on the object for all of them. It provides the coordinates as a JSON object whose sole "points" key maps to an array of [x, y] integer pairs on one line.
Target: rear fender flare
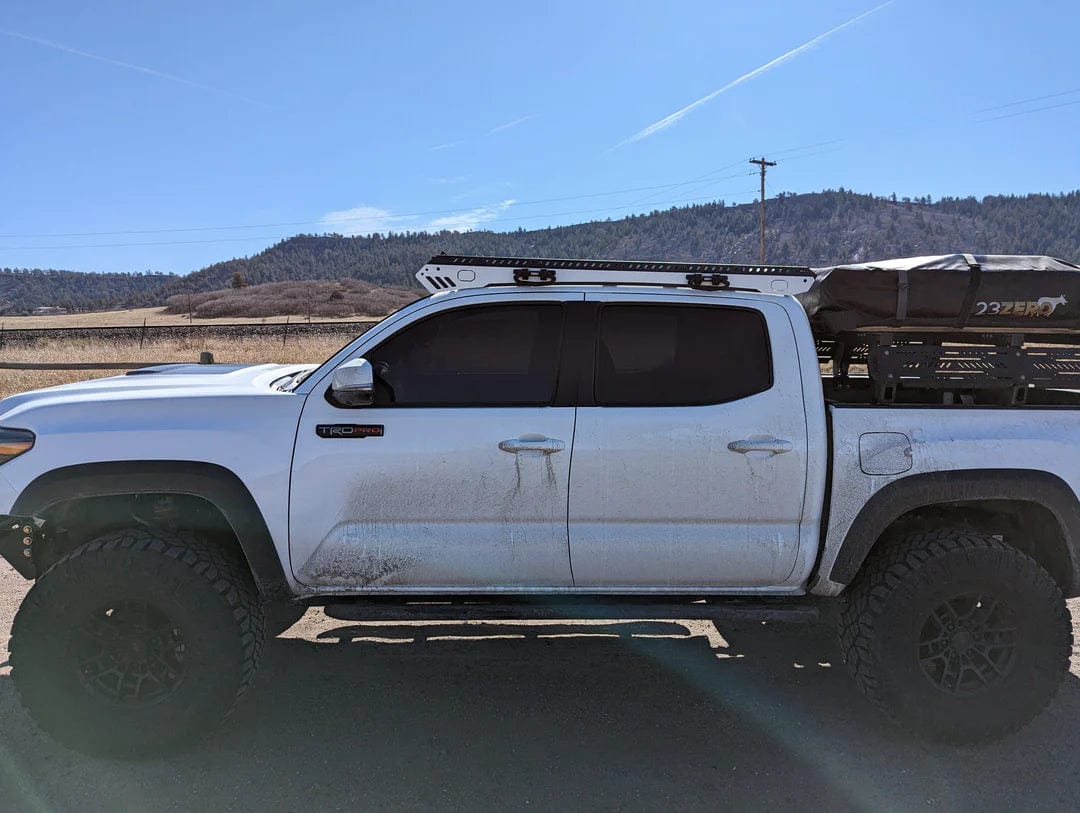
{"points": [[965, 485]]}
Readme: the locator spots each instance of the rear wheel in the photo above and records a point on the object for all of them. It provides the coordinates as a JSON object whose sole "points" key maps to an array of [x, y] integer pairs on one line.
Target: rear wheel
{"points": [[956, 636], [136, 643]]}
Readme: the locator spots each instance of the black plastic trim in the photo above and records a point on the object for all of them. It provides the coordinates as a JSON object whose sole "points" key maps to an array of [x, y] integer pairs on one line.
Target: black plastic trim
{"points": [[576, 364], [963, 485], [215, 484]]}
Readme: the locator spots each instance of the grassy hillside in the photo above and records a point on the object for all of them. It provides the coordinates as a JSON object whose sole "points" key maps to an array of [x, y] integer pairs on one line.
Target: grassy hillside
{"points": [[339, 299], [821, 228]]}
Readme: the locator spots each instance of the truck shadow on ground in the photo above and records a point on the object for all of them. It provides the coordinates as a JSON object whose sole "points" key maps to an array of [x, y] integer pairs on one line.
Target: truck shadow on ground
{"points": [[590, 715]]}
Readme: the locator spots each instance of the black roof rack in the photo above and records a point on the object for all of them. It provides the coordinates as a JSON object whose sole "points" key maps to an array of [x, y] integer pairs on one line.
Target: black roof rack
{"points": [[449, 272], [623, 265]]}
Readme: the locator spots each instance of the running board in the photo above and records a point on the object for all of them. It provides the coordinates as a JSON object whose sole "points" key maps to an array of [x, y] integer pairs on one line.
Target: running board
{"points": [[799, 611]]}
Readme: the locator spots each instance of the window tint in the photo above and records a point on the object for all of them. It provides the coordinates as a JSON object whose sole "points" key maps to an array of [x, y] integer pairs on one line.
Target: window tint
{"points": [[494, 355], [660, 355]]}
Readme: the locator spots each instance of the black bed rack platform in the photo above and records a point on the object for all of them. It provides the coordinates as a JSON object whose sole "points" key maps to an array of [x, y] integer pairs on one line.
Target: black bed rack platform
{"points": [[961, 367]]}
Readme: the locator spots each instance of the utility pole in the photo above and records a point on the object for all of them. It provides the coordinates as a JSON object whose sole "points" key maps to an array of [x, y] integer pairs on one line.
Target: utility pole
{"points": [[761, 162]]}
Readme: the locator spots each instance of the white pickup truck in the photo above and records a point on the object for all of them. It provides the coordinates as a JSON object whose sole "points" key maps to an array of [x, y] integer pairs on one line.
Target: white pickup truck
{"points": [[543, 437]]}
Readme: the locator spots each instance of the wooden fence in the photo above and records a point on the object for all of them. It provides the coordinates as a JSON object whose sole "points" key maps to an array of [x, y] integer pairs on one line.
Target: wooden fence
{"points": [[204, 358]]}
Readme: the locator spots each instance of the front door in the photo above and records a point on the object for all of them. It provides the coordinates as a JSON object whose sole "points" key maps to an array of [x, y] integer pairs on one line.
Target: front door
{"points": [[690, 466], [456, 478]]}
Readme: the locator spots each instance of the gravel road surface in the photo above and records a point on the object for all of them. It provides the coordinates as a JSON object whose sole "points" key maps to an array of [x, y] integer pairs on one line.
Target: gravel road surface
{"points": [[548, 716]]}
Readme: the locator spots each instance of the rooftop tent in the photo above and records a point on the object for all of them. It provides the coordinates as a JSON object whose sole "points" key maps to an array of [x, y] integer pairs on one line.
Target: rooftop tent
{"points": [[949, 292]]}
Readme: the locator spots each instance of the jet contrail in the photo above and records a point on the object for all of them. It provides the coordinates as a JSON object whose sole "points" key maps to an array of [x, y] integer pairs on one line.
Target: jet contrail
{"points": [[667, 121], [513, 123], [57, 46]]}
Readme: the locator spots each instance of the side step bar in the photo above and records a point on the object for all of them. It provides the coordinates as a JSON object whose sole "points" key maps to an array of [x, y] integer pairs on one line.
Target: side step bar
{"points": [[795, 610]]}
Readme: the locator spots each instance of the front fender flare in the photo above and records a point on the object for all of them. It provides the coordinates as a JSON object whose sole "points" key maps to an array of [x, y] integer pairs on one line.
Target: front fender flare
{"points": [[216, 484]]}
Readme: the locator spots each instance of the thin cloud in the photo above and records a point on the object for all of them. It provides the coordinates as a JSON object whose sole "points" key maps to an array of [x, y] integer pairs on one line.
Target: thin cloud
{"points": [[499, 128], [467, 221], [671, 119], [364, 220], [445, 146], [361, 221], [57, 46]]}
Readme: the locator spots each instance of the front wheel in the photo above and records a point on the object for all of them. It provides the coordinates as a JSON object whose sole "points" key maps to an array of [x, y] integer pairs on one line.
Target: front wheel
{"points": [[136, 643], [956, 636]]}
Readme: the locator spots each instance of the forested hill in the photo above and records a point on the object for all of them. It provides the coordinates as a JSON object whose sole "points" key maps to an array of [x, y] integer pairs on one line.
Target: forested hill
{"points": [[822, 228], [23, 289]]}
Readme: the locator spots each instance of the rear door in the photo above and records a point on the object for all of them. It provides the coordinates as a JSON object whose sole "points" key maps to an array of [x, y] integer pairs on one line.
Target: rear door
{"points": [[689, 465], [456, 478]]}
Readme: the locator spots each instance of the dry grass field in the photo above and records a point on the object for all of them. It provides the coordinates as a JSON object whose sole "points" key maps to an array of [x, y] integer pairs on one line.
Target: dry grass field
{"points": [[134, 317], [249, 350]]}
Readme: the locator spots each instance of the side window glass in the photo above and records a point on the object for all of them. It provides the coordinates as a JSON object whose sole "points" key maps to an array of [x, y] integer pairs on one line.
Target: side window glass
{"points": [[680, 355], [490, 355]]}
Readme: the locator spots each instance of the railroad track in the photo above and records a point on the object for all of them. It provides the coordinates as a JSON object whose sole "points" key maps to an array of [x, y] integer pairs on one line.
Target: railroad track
{"points": [[26, 336]]}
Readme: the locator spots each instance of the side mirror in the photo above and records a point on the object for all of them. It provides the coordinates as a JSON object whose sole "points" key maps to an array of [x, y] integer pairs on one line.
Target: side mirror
{"points": [[354, 383]]}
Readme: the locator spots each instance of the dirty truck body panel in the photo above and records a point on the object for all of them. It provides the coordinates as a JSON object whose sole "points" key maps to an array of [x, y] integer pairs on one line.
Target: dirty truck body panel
{"points": [[432, 503], [232, 419], [1025, 454], [624, 499]]}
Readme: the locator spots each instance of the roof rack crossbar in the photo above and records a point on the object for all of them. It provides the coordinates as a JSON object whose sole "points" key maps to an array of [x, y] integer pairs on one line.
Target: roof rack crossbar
{"points": [[445, 272]]}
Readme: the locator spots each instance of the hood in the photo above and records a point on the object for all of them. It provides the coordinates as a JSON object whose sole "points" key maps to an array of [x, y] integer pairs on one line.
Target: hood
{"points": [[167, 381]]}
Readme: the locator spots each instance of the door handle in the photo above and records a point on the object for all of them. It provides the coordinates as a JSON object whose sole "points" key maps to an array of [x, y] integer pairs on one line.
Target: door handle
{"points": [[532, 443], [761, 444]]}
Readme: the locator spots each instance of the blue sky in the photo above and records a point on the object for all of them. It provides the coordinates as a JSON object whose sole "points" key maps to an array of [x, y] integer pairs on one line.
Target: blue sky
{"points": [[156, 124]]}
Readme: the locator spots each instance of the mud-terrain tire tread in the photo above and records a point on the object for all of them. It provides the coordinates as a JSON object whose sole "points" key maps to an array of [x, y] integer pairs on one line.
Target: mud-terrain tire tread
{"points": [[227, 576], [897, 567]]}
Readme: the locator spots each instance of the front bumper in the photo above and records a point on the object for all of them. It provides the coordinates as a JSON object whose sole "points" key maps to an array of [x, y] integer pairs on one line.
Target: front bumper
{"points": [[18, 535]]}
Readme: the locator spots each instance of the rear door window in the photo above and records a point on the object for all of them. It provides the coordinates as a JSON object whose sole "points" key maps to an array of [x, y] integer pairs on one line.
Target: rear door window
{"points": [[680, 355]]}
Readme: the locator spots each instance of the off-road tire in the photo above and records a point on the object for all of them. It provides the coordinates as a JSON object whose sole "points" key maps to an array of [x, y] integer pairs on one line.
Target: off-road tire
{"points": [[899, 596], [213, 631]]}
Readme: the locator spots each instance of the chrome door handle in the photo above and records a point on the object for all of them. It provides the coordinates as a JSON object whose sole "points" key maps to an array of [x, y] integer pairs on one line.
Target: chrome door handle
{"points": [[771, 445], [532, 443]]}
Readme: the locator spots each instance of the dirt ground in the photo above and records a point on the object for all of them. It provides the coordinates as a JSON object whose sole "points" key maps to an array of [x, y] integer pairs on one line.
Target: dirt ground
{"points": [[587, 716]]}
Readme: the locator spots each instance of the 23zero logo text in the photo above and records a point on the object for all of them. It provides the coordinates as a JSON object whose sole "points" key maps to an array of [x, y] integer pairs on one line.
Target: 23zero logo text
{"points": [[1043, 306], [349, 430]]}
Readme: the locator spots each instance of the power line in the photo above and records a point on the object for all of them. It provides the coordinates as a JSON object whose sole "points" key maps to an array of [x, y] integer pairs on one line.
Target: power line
{"points": [[696, 184], [1025, 101], [386, 217], [813, 154], [279, 237], [807, 147], [389, 217], [1032, 110]]}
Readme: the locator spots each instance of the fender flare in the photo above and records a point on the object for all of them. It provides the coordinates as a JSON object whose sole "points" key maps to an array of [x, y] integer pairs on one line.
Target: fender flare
{"points": [[216, 484], [962, 485]]}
